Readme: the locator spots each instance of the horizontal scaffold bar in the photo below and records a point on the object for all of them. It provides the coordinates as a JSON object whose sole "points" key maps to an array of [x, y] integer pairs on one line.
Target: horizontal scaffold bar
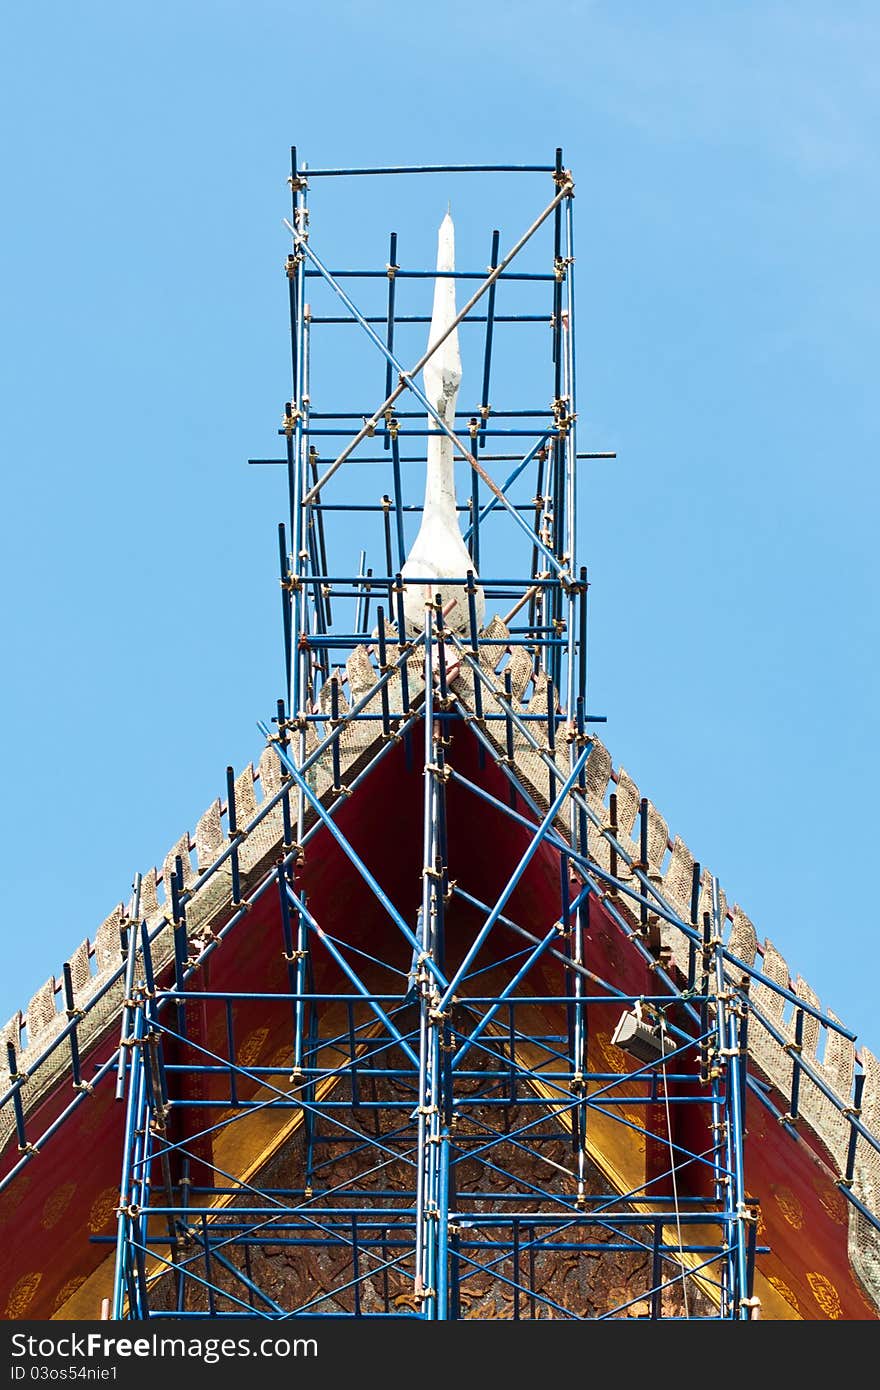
{"points": [[306, 173]]}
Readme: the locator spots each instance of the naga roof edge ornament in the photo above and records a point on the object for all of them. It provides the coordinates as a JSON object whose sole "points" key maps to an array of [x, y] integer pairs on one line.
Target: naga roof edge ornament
{"points": [[439, 550]]}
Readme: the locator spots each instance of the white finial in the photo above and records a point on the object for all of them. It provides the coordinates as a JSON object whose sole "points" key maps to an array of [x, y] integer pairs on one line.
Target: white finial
{"points": [[439, 552]]}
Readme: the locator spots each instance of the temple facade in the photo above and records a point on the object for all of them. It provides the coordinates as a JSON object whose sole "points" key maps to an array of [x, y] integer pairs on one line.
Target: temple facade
{"points": [[432, 1015]]}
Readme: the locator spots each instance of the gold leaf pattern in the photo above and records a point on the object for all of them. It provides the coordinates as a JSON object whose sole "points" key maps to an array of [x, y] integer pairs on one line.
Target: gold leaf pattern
{"points": [[103, 1208], [11, 1198], [789, 1206], [612, 1056], [825, 1294], [68, 1290], [56, 1205], [834, 1203], [21, 1294], [250, 1049], [782, 1288]]}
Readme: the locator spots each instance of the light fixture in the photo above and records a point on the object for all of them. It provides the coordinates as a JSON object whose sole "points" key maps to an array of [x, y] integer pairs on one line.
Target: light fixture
{"points": [[644, 1041]]}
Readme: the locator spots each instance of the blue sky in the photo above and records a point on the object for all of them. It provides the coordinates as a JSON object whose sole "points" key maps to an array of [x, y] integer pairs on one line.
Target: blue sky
{"points": [[727, 218]]}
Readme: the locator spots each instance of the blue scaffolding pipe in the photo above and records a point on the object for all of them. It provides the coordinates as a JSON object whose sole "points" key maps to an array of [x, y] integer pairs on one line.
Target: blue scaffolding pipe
{"points": [[523, 864], [504, 996], [431, 1060], [429, 169], [352, 855], [339, 319], [564, 192], [407, 380], [509, 481], [351, 974], [653, 896]]}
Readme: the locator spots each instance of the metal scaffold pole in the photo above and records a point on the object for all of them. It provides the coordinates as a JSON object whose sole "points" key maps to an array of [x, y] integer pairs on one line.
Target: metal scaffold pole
{"points": [[465, 1079]]}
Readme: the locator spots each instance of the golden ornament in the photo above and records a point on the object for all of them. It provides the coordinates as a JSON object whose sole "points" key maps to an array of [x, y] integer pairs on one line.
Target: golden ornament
{"points": [[826, 1295], [782, 1288], [103, 1208], [21, 1294], [56, 1205], [789, 1206], [68, 1290], [252, 1046]]}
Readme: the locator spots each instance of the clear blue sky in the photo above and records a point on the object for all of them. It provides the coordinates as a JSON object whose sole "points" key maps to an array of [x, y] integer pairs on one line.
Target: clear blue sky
{"points": [[727, 209]]}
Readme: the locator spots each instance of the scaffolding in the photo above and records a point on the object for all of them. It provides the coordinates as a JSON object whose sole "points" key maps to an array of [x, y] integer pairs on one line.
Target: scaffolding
{"points": [[452, 1070]]}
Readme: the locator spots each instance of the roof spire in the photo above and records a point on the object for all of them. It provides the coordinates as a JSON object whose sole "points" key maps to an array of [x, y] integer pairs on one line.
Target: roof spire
{"points": [[438, 551]]}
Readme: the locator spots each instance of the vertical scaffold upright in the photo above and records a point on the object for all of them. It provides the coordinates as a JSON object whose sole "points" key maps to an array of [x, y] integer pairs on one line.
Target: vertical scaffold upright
{"points": [[432, 1060]]}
